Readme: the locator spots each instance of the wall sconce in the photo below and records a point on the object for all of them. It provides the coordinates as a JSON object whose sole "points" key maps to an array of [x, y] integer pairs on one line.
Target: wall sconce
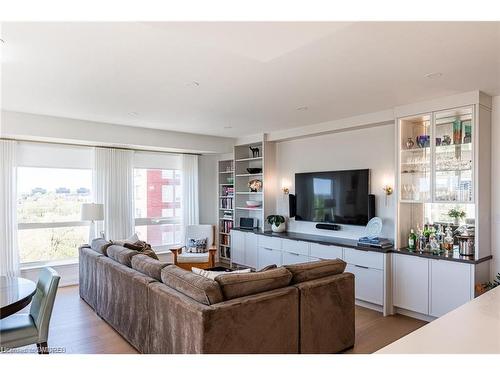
{"points": [[285, 186], [388, 191]]}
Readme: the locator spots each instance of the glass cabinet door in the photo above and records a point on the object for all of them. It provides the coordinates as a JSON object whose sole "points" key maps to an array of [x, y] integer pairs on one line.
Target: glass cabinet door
{"points": [[453, 132], [415, 158]]}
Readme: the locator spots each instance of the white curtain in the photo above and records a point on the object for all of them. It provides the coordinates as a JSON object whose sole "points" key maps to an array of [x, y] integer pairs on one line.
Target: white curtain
{"points": [[9, 254], [190, 190], [114, 187]]}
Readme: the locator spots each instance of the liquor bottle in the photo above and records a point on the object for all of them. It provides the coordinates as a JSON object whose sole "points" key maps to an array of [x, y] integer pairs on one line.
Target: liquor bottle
{"points": [[421, 241], [412, 240]]}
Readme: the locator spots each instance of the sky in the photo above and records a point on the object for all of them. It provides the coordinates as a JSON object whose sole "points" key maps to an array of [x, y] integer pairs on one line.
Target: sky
{"points": [[51, 178]]}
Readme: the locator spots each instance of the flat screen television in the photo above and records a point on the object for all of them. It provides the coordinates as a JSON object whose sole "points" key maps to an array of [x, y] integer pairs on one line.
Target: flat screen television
{"points": [[339, 197]]}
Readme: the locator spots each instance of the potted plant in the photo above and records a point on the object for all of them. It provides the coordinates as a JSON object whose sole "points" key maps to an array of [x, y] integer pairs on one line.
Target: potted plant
{"points": [[456, 214], [277, 223]]}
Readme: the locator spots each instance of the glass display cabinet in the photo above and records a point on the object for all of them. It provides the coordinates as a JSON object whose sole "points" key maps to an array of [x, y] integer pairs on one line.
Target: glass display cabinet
{"points": [[436, 168]]}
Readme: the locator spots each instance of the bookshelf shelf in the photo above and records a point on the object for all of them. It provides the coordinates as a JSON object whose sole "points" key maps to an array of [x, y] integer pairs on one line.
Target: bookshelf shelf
{"points": [[226, 197]]}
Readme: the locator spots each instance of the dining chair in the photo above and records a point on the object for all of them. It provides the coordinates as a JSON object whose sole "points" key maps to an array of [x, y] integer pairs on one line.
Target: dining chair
{"points": [[188, 260], [33, 328]]}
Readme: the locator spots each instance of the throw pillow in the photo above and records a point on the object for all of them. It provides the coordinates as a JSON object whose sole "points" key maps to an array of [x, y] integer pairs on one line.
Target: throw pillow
{"points": [[213, 274], [132, 239], [143, 248], [196, 245]]}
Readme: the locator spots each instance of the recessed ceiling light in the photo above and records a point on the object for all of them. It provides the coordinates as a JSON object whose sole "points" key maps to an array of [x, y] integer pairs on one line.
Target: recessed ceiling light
{"points": [[133, 114], [303, 108], [193, 84], [2, 40], [434, 75], [228, 127]]}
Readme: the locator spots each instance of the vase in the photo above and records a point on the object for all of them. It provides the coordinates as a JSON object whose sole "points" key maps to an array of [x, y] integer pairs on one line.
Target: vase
{"points": [[456, 221], [278, 229]]}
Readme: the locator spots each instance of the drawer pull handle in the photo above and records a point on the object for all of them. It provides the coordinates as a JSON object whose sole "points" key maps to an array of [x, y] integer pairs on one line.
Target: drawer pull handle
{"points": [[364, 267], [294, 254]]}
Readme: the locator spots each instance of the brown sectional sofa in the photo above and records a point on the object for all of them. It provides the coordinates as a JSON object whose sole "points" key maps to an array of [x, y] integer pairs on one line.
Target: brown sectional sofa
{"points": [[161, 308]]}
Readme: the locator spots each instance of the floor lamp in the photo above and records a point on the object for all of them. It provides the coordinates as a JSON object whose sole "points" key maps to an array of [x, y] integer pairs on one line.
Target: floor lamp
{"points": [[92, 212]]}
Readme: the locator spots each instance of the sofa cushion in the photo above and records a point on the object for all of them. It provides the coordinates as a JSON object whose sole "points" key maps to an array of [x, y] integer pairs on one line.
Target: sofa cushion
{"points": [[100, 245], [121, 254], [197, 287], [245, 284], [315, 270], [148, 266]]}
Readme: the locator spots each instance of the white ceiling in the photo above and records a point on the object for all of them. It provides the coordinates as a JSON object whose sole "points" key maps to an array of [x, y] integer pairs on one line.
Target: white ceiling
{"points": [[252, 76]]}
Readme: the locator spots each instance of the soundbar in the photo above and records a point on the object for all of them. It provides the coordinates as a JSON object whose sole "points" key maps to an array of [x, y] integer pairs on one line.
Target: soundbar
{"points": [[328, 226]]}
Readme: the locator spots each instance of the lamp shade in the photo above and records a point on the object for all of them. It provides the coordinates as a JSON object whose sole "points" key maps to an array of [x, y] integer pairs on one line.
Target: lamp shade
{"points": [[92, 212]]}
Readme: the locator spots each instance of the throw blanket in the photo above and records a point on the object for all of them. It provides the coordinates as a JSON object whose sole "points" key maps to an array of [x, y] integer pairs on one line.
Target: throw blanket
{"points": [[143, 248]]}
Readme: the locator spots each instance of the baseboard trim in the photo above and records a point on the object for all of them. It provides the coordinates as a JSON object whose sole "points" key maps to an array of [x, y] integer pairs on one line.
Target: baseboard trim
{"points": [[413, 314], [369, 305]]}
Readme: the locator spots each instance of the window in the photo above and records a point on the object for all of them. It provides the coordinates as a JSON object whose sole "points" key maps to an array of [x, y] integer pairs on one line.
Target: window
{"points": [[158, 206], [48, 212]]}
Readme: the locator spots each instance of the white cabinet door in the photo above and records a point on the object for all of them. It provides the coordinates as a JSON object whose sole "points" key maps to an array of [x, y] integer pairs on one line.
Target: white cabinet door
{"points": [[251, 250], [368, 283], [269, 256], [411, 283], [450, 286], [326, 251], [238, 247], [292, 258]]}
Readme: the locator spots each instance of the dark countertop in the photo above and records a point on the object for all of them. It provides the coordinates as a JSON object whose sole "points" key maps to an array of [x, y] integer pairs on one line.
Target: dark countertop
{"points": [[323, 240], [353, 244], [454, 257]]}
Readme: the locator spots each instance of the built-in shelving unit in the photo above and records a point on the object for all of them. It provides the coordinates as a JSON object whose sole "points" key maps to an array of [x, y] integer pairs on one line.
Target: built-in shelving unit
{"points": [[226, 208]]}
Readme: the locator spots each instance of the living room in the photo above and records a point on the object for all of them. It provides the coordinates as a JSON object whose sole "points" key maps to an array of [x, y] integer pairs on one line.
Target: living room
{"points": [[249, 187]]}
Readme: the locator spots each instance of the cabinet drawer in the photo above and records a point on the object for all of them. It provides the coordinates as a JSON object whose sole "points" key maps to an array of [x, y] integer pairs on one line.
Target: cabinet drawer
{"points": [[270, 242], [368, 284], [326, 251], [268, 257], [295, 247], [289, 258], [364, 258]]}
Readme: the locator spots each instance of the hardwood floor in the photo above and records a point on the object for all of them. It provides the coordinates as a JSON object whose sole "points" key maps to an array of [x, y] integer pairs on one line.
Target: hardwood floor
{"points": [[77, 328]]}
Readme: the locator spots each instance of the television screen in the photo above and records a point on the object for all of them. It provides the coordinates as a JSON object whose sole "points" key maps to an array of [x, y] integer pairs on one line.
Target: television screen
{"points": [[339, 197]]}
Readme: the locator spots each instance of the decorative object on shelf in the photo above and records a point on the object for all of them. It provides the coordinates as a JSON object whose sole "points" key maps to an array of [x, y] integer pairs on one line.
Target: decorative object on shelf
{"points": [[230, 180], [423, 141], [457, 132], [253, 204], [255, 185], [446, 141], [374, 227], [255, 151], [254, 170], [467, 125], [409, 143], [277, 223], [456, 214], [438, 141]]}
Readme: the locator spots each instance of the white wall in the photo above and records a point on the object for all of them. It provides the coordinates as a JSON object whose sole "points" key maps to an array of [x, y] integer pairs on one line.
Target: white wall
{"points": [[58, 129], [495, 187], [371, 148]]}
